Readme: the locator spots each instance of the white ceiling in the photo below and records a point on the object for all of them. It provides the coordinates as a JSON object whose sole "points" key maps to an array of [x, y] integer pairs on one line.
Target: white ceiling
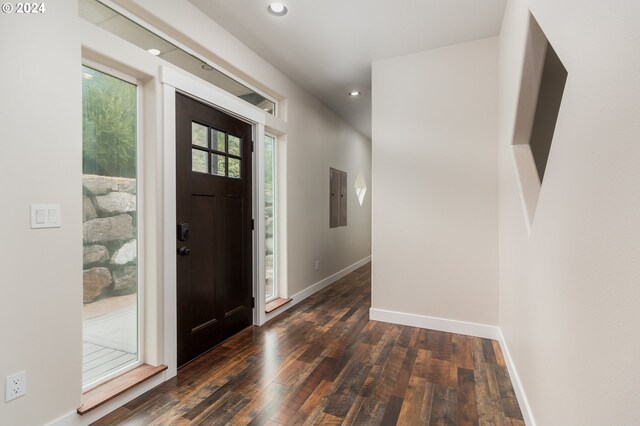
{"points": [[327, 46]]}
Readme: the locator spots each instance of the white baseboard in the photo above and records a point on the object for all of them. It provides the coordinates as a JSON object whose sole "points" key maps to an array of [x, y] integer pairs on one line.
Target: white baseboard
{"points": [[433, 323], [523, 402], [74, 419], [314, 288], [468, 329]]}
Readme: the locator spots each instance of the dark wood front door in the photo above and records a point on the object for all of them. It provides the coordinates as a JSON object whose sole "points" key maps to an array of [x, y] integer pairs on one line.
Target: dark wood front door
{"points": [[213, 183]]}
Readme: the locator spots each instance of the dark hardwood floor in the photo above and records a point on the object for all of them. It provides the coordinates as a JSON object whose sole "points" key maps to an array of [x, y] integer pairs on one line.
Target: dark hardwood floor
{"points": [[324, 362]]}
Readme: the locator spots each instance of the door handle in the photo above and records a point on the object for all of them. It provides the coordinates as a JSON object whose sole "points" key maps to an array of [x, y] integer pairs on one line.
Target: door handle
{"points": [[184, 251]]}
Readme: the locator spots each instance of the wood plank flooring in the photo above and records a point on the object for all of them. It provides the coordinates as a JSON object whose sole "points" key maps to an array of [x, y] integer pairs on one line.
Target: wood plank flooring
{"points": [[323, 362]]}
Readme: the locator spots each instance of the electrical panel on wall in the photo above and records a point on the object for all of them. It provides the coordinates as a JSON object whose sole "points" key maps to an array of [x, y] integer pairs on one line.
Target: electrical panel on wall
{"points": [[338, 198]]}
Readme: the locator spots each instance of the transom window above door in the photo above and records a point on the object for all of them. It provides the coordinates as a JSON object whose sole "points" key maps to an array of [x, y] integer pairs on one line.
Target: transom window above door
{"points": [[215, 152]]}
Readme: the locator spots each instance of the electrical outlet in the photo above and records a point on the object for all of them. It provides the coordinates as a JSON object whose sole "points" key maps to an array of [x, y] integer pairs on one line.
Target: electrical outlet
{"points": [[15, 386], [317, 264]]}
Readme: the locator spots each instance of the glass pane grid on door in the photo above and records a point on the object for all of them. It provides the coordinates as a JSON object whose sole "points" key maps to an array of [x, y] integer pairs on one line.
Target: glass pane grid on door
{"points": [[215, 152]]}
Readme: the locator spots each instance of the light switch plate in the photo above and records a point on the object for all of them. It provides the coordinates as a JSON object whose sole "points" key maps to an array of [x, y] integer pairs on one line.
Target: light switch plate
{"points": [[45, 216]]}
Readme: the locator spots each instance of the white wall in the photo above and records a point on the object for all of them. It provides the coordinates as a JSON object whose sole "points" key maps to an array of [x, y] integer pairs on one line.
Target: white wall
{"points": [[318, 141], [434, 213], [569, 291], [40, 161]]}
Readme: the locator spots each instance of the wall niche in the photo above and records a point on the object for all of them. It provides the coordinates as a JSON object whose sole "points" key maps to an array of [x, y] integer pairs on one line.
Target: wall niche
{"points": [[541, 89]]}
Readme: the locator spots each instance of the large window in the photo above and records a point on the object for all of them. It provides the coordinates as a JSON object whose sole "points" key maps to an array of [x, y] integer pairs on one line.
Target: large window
{"points": [[270, 216], [110, 226]]}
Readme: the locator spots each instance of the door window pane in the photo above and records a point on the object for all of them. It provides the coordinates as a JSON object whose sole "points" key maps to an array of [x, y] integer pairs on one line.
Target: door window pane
{"points": [[269, 217], [234, 146], [199, 135], [110, 255], [218, 166], [217, 140], [234, 168], [199, 161]]}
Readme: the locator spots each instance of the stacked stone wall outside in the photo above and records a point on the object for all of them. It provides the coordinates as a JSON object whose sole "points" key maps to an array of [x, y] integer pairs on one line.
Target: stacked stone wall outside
{"points": [[110, 255]]}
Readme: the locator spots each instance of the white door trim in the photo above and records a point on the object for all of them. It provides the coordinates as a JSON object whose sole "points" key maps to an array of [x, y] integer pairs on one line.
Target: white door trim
{"points": [[171, 82]]}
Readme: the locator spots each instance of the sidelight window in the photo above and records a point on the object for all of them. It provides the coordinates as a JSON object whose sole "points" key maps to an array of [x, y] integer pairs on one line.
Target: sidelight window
{"points": [[110, 226], [270, 216]]}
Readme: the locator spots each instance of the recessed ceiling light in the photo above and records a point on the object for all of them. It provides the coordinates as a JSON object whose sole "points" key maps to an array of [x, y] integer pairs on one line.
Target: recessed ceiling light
{"points": [[207, 67], [354, 93], [154, 52], [277, 9]]}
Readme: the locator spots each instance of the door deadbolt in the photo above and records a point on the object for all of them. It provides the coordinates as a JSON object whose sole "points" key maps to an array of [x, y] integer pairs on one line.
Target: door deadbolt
{"points": [[183, 231]]}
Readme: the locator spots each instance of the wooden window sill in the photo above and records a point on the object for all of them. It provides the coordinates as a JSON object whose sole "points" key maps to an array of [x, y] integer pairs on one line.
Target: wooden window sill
{"points": [[275, 304], [107, 391]]}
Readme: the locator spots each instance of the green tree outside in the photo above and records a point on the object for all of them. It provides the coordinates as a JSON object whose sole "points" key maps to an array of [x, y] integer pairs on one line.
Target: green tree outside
{"points": [[108, 125]]}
